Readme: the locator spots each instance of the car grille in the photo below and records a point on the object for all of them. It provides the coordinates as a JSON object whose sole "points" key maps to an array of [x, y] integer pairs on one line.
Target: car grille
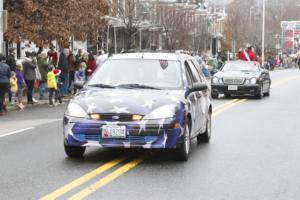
{"points": [[233, 81], [132, 139], [116, 117]]}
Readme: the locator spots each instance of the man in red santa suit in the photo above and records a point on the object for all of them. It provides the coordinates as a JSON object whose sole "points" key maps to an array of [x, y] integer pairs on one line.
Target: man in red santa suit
{"points": [[251, 53], [243, 55]]}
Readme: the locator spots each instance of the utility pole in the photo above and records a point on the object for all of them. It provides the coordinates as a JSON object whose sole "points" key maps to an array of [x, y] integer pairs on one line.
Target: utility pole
{"points": [[263, 33]]}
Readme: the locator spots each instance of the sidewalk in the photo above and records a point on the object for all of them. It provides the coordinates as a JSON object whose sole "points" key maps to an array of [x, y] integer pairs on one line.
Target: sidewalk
{"points": [[39, 103]]}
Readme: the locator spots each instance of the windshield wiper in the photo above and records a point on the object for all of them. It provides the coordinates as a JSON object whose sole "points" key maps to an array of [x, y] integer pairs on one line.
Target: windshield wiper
{"points": [[102, 86], [131, 86]]}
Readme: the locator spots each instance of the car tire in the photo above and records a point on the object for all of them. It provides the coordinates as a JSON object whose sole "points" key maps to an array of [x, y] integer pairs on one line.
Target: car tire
{"points": [[215, 95], [205, 137], [267, 94], [74, 152], [260, 94], [183, 151]]}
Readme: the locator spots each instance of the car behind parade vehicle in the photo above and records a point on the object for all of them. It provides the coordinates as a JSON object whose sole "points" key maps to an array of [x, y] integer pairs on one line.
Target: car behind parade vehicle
{"points": [[141, 100], [241, 78]]}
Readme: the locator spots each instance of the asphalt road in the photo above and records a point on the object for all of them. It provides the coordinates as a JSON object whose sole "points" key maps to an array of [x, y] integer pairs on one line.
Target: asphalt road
{"points": [[253, 154]]}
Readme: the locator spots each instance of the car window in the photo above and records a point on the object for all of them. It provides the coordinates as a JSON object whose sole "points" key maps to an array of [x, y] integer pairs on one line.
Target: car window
{"points": [[199, 68], [188, 75], [241, 66], [194, 71], [162, 74]]}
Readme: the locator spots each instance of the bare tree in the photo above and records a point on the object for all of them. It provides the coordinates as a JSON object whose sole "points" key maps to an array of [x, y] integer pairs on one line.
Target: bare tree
{"points": [[132, 14]]}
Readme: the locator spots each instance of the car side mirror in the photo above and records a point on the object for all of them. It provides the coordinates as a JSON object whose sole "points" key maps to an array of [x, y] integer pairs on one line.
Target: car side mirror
{"points": [[197, 87], [213, 72], [78, 85]]}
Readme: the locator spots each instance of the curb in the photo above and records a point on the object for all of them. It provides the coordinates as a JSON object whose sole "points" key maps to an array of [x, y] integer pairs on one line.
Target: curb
{"points": [[39, 103]]}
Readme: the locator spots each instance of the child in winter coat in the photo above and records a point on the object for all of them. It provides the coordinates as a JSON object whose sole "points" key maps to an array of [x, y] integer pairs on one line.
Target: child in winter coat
{"points": [[13, 88], [52, 86], [21, 84]]}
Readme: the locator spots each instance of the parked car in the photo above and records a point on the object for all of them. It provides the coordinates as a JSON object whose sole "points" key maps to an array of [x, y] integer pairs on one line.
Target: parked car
{"points": [[241, 78], [140, 100]]}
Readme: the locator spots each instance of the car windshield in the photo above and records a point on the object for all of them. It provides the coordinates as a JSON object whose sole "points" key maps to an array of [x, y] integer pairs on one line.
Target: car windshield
{"points": [[243, 67], [139, 73]]}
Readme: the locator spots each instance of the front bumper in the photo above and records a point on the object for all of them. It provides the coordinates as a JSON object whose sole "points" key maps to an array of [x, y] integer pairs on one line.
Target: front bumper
{"points": [[241, 89], [152, 134]]}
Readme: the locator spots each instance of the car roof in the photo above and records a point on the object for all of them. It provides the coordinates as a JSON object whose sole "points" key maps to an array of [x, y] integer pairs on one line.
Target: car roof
{"points": [[154, 56]]}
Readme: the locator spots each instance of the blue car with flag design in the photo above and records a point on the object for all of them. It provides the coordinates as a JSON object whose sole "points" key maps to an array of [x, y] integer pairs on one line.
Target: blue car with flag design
{"points": [[140, 100]]}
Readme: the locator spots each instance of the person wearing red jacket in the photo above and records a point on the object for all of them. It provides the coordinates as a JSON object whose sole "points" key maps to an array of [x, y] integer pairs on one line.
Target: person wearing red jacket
{"points": [[251, 54], [91, 65], [242, 55]]}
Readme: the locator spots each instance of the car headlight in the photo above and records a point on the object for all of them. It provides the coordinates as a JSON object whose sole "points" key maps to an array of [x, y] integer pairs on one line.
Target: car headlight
{"points": [[247, 82], [75, 110], [162, 112], [215, 80], [220, 81], [253, 81]]}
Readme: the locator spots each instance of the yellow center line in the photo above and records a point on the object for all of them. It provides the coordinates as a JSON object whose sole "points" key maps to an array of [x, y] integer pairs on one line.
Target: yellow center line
{"points": [[224, 104], [120, 171], [216, 113], [59, 192]]}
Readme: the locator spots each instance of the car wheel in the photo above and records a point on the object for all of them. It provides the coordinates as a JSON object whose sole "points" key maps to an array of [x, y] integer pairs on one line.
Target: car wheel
{"points": [[260, 94], [74, 152], [214, 95], [205, 137], [183, 151], [267, 94]]}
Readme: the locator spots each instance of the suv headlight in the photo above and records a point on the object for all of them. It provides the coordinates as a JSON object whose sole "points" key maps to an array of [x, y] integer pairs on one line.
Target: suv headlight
{"points": [[253, 81], [217, 80], [163, 112], [75, 110]]}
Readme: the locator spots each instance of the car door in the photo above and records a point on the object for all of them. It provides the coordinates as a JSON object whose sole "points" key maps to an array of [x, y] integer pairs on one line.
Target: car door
{"points": [[199, 98], [192, 101], [203, 96]]}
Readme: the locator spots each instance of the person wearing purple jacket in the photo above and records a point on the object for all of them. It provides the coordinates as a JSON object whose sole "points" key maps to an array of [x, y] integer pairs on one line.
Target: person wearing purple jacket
{"points": [[21, 84]]}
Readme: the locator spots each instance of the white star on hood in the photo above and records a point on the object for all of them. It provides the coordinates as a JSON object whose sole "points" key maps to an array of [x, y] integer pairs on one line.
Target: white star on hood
{"points": [[173, 98], [149, 104], [91, 108], [137, 94], [119, 110]]}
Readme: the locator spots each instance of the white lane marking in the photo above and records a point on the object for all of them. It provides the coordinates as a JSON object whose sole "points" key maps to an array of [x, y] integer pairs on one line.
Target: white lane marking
{"points": [[15, 132]]}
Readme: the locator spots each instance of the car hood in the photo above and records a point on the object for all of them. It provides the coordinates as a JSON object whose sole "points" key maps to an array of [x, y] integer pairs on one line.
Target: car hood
{"points": [[127, 101], [249, 75]]}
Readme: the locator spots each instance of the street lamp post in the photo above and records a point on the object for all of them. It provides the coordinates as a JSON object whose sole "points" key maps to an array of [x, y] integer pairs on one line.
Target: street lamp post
{"points": [[263, 33]]}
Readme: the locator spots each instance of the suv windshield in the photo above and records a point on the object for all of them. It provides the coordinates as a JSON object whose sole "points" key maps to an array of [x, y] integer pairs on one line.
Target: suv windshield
{"points": [[242, 66], [139, 73]]}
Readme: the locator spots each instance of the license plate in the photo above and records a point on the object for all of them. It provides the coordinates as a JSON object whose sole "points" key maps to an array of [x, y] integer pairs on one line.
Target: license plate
{"points": [[232, 87], [113, 132]]}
